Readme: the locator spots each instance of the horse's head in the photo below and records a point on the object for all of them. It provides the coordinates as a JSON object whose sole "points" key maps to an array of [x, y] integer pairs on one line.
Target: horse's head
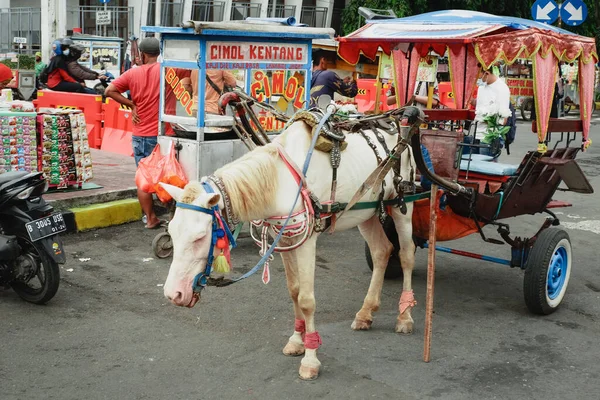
{"points": [[191, 235]]}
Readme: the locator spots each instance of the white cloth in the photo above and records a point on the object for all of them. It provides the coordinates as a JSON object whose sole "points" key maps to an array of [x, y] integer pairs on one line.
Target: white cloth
{"points": [[491, 99]]}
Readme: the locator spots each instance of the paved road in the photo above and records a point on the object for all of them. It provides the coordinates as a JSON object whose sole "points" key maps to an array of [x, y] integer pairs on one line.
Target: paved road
{"points": [[109, 333]]}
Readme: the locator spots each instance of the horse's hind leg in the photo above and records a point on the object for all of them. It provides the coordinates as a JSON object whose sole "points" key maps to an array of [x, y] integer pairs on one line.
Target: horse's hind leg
{"points": [[381, 248], [403, 225], [295, 344]]}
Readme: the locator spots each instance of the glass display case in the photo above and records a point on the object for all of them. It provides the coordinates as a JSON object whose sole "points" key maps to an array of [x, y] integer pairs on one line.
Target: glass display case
{"points": [[269, 61]]}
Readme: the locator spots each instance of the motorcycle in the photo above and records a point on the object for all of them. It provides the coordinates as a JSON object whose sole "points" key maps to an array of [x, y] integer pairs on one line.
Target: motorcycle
{"points": [[103, 84], [30, 248]]}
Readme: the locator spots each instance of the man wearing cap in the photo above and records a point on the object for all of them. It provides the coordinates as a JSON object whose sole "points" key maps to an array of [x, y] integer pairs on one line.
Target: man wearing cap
{"points": [[5, 76], [39, 64], [143, 83]]}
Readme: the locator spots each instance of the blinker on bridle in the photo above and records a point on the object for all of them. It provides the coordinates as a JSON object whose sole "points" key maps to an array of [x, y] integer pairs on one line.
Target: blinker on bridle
{"points": [[201, 280]]}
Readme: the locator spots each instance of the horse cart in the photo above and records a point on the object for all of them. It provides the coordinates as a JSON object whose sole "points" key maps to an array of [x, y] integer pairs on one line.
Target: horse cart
{"points": [[494, 190], [271, 61]]}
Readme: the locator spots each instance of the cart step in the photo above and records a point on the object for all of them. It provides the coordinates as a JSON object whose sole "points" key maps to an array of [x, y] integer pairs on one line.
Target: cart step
{"points": [[571, 174]]}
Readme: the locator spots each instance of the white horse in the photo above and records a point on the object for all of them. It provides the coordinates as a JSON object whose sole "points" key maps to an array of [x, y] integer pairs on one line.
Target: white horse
{"points": [[260, 185]]}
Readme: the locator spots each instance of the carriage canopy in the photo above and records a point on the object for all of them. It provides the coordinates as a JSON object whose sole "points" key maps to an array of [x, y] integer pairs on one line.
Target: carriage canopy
{"points": [[472, 40]]}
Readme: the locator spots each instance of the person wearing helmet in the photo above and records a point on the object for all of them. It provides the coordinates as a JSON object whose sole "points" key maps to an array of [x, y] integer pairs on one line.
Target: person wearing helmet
{"points": [[78, 71], [59, 78]]}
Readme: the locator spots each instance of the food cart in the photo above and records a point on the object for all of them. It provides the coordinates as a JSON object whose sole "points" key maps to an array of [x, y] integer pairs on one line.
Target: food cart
{"points": [[270, 61]]}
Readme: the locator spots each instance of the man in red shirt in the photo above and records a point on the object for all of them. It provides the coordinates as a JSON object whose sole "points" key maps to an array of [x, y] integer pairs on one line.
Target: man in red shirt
{"points": [[143, 83]]}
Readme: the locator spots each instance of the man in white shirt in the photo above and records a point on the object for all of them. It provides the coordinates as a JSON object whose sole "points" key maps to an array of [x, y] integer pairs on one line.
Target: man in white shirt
{"points": [[493, 97]]}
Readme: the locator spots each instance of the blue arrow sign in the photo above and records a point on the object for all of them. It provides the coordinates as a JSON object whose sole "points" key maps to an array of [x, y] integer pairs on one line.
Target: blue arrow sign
{"points": [[573, 12], [545, 11], [104, 1]]}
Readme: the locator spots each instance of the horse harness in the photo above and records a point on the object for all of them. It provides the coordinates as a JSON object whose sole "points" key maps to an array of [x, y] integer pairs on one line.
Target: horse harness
{"points": [[317, 216]]}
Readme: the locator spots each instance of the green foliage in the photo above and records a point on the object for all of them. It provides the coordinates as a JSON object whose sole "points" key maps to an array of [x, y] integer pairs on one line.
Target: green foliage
{"points": [[403, 8], [494, 130], [27, 62]]}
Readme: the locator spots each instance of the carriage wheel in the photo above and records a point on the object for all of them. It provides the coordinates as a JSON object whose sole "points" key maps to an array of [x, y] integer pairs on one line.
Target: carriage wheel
{"points": [[162, 245], [526, 109], [394, 268], [547, 272]]}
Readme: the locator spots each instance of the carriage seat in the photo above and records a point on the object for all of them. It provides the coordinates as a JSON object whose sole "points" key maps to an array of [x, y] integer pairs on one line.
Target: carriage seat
{"points": [[484, 165]]}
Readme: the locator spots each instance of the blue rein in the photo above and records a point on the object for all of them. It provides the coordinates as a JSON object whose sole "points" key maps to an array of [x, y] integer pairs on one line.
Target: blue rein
{"points": [[201, 280]]}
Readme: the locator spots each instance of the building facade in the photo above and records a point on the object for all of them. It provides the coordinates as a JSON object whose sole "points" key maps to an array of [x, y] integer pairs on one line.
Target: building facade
{"points": [[41, 21]]}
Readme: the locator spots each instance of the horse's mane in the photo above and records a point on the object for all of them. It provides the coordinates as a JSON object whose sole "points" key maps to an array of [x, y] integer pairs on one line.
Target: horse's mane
{"points": [[191, 192], [251, 181]]}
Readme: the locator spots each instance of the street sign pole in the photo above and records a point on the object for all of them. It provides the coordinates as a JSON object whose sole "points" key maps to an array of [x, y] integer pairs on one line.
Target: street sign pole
{"points": [[105, 26]]}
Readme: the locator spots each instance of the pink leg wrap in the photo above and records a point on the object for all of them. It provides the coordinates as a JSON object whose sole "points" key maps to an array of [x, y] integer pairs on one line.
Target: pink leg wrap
{"points": [[300, 326], [407, 299], [312, 340]]}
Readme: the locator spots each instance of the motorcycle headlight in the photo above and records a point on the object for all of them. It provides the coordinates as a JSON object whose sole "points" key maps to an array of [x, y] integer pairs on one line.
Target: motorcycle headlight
{"points": [[24, 195]]}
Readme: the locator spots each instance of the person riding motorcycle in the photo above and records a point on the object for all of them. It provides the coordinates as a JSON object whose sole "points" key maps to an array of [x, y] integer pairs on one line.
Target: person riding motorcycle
{"points": [[59, 78], [78, 71]]}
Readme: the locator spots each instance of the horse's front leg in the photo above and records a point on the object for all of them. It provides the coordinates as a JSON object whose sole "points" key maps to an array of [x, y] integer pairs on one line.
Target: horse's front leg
{"points": [[305, 257], [403, 224], [381, 248], [295, 344]]}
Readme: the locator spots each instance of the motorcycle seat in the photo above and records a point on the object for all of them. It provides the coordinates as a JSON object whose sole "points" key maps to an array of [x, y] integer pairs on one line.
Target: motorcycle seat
{"points": [[11, 176]]}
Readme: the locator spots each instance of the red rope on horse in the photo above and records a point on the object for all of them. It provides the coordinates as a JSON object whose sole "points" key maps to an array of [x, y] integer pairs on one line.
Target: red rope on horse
{"points": [[312, 340]]}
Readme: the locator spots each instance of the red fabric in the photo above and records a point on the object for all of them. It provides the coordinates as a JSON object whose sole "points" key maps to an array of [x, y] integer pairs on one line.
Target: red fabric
{"points": [[143, 83], [528, 42], [586, 97], [544, 73], [407, 299], [463, 74], [312, 341], [300, 325], [402, 64], [59, 75]]}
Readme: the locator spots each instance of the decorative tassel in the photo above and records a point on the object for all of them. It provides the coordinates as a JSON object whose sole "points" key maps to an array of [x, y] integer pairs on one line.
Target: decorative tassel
{"points": [[221, 265]]}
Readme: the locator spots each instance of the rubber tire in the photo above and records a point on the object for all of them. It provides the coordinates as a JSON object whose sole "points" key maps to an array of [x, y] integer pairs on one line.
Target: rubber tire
{"points": [[52, 274], [535, 282], [394, 267], [524, 105], [157, 246]]}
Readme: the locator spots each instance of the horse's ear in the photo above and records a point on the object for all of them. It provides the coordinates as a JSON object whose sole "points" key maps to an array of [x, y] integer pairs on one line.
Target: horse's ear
{"points": [[174, 191], [213, 200]]}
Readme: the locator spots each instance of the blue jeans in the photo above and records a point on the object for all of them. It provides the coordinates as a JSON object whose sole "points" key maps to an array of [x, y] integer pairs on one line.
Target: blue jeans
{"points": [[142, 147]]}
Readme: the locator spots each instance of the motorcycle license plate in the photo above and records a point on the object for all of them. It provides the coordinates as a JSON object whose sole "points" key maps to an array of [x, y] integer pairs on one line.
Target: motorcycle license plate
{"points": [[47, 226]]}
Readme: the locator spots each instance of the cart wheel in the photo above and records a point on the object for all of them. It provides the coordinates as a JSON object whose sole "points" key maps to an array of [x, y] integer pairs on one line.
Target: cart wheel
{"points": [[547, 272], [162, 245], [394, 268], [526, 109]]}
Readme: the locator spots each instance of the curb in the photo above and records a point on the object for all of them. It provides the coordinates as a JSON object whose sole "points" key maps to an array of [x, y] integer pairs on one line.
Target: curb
{"points": [[102, 215]]}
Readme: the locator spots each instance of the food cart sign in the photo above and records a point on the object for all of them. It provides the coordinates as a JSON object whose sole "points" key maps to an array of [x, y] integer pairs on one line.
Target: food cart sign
{"points": [[519, 89], [251, 55]]}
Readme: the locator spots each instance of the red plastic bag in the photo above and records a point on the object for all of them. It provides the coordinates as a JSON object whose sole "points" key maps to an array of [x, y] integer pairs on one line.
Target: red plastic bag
{"points": [[149, 171], [171, 173]]}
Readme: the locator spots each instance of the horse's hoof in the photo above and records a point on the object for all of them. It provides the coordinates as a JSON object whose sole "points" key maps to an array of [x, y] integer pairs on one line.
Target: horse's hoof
{"points": [[405, 327], [360, 325], [308, 373], [293, 349]]}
